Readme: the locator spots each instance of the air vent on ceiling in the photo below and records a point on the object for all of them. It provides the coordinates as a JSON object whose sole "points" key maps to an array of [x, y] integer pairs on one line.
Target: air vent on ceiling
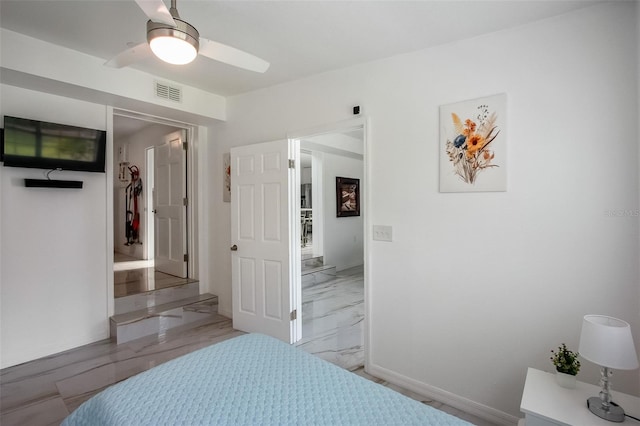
{"points": [[172, 93]]}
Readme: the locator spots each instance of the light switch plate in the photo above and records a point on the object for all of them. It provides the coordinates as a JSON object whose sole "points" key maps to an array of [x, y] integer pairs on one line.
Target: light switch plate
{"points": [[382, 233]]}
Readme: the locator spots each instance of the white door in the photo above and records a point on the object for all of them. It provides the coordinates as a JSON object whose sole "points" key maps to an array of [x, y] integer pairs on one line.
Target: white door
{"points": [[169, 199], [264, 279]]}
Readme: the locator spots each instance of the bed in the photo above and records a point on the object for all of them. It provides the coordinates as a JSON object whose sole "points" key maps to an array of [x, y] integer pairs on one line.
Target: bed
{"points": [[252, 380]]}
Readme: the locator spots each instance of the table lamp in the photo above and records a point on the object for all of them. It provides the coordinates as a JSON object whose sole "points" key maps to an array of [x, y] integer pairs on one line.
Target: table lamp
{"points": [[608, 342]]}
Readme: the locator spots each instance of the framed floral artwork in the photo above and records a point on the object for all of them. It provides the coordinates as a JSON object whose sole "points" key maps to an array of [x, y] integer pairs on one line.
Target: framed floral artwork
{"points": [[473, 152], [347, 197]]}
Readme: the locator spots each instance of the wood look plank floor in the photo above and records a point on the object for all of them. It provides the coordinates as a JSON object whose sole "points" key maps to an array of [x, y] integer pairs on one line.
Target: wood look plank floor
{"points": [[45, 391]]}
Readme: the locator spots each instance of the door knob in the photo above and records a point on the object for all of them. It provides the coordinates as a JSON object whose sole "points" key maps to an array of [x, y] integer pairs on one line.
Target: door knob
{"points": [[234, 248], [154, 211]]}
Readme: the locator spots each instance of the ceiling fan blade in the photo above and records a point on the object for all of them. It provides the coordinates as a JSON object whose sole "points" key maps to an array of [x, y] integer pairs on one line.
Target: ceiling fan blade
{"points": [[133, 54], [231, 56], [156, 11]]}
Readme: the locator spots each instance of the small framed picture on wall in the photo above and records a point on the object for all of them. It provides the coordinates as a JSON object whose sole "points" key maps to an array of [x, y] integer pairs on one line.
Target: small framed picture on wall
{"points": [[347, 197]]}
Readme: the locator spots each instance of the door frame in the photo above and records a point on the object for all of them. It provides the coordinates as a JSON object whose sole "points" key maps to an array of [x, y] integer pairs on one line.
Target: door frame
{"points": [[149, 236], [365, 197], [191, 226]]}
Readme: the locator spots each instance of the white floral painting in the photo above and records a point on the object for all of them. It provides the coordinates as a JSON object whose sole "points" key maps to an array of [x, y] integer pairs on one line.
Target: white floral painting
{"points": [[473, 152]]}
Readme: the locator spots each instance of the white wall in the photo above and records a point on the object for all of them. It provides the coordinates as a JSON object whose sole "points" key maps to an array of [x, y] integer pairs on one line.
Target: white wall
{"points": [[638, 112], [477, 287], [53, 294], [67, 72], [305, 175], [343, 236], [57, 294]]}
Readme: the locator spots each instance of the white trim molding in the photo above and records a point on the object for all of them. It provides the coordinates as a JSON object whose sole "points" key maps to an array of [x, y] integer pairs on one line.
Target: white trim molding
{"points": [[482, 411]]}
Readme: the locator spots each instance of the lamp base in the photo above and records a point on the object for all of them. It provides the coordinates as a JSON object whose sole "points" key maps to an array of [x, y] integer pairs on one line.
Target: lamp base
{"points": [[615, 413]]}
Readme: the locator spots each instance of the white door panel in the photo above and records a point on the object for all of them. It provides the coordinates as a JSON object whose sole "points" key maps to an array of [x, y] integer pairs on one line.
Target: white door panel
{"points": [[262, 270], [169, 193]]}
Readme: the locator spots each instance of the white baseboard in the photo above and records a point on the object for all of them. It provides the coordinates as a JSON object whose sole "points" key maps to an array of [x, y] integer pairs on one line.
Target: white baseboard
{"points": [[482, 411], [225, 313], [53, 349]]}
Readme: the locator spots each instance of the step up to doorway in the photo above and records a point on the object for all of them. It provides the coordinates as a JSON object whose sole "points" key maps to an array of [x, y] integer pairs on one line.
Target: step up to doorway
{"points": [[318, 275], [136, 302], [157, 319], [312, 263]]}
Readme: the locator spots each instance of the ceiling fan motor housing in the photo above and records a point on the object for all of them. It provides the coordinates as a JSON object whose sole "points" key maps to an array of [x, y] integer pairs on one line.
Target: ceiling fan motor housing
{"points": [[183, 30]]}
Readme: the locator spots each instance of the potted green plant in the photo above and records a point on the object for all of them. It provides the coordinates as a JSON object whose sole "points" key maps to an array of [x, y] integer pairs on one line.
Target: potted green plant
{"points": [[567, 366]]}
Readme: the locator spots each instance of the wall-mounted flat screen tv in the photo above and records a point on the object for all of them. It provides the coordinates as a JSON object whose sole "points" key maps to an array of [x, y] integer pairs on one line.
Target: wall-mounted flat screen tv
{"points": [[42, 145]]}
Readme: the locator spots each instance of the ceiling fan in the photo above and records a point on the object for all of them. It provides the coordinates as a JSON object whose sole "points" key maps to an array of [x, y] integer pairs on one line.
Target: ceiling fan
{"points": [[177, 42]]}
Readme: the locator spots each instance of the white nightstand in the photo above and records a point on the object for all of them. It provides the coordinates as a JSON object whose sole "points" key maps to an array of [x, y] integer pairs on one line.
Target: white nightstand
{"points": [[545, 403]]}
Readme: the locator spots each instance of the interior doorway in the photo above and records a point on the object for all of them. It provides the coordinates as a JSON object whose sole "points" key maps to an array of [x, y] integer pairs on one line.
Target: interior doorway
{"points": [[266, 240], [332, 247], [135, 143]]}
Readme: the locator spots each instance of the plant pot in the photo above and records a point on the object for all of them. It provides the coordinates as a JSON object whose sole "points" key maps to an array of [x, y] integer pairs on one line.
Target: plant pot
{"points": [[565, 380]]}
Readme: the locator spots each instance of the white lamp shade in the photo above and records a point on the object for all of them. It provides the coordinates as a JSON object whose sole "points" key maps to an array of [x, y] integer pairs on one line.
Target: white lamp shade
{"points": [[608, 342]]}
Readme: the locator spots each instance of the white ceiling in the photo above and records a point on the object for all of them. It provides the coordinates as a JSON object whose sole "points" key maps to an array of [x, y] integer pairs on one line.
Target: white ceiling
{"points": [[299, 38]]}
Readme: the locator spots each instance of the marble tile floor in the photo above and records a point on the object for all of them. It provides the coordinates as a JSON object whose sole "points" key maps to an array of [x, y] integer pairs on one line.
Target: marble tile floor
{"points": [[158, 319], [123, 261], [44, 391], [140, 280], [332, 319]]}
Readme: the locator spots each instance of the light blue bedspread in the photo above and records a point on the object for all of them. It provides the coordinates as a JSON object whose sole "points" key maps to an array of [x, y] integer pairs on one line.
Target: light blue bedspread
{"points": [[252, 380]]}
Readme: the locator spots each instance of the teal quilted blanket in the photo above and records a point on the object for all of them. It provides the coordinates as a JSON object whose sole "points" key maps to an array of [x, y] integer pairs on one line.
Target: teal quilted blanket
{"points": [[252, 380]]}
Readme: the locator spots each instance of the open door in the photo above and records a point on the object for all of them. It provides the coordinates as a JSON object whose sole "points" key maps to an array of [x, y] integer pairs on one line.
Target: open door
{"points": [[170, 208], [264, 279]]}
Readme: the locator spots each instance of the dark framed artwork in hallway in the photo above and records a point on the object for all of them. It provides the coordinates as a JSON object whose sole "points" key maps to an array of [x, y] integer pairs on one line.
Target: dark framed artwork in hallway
{"points": [[347, 197]]}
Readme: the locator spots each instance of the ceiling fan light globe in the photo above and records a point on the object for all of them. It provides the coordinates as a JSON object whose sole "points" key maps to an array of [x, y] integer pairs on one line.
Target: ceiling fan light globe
{"points": [[173, 50], [177, 45]]}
